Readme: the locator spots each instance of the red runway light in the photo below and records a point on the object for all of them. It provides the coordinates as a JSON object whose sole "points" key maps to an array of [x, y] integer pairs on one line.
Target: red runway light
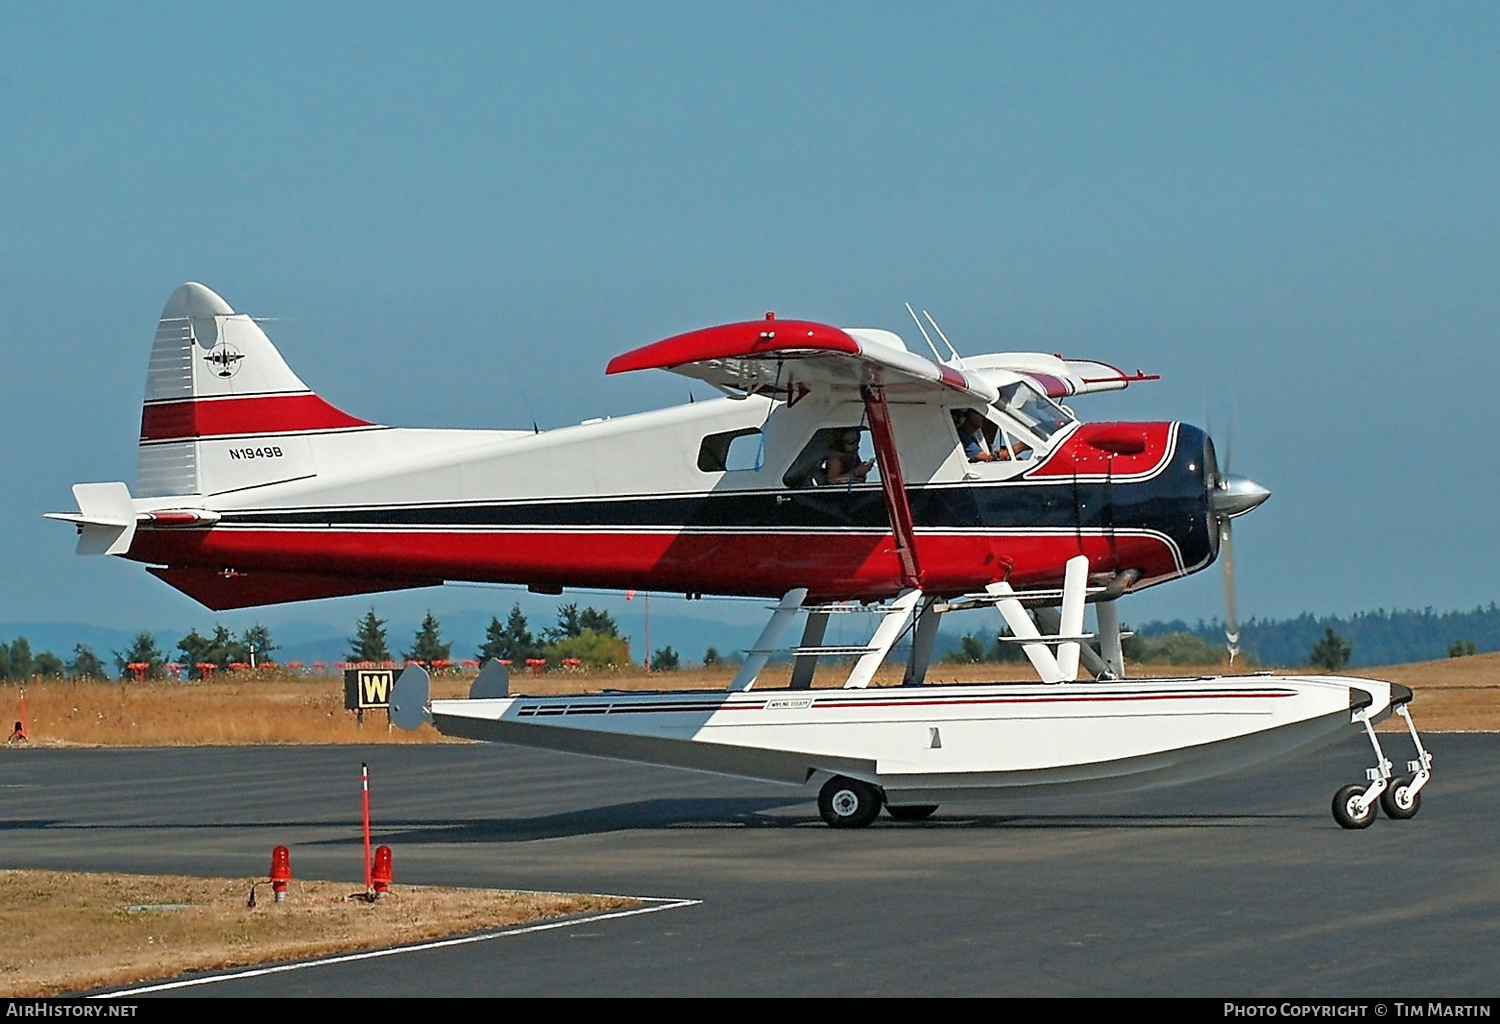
{"points": [[281, 871], [382, 872]]}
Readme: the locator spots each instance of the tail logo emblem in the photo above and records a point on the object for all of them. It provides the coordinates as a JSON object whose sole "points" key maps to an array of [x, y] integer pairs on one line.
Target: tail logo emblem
{"points": [[225, 359]]}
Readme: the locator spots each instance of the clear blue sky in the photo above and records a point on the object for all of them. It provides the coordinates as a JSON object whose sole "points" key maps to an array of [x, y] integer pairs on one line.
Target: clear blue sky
{"points": [[1289, 211]]}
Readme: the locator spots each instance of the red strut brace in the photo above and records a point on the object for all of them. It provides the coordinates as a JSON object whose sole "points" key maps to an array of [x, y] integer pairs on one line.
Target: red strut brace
{"points": [[893, 484]]}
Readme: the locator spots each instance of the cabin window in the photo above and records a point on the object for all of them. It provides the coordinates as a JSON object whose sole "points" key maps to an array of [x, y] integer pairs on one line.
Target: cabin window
{"points": [[835, 457], [731, 451], [1037, 413]]}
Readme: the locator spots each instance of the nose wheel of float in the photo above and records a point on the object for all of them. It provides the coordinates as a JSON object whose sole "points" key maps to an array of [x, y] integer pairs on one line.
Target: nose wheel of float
{"points": [[1399, 797], [1401, 800]]}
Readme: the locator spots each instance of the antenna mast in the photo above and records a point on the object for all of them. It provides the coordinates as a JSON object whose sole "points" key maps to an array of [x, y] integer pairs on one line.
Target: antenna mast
{"points": [[956, 357], [925, 337]]}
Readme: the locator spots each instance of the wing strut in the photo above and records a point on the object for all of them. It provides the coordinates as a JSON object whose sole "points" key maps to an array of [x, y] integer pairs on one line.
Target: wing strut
{"points": [[893, 484], [1061, 665], [757, 656]]}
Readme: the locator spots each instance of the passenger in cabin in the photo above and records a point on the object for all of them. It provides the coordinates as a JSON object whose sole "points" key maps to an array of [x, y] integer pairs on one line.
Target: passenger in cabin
{"points": [[843, 465]]}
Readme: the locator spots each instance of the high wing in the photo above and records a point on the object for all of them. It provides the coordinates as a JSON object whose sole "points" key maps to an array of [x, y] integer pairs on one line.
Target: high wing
{"points": [[789, 358], [1053, 375]]}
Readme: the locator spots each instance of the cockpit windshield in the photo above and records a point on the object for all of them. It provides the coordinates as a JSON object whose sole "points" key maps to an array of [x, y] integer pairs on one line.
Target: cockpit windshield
{"points": [[1036, 412]]}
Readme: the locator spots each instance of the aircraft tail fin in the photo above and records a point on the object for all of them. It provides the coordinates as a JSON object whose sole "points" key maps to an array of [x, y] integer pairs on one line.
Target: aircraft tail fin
{"points": [[223, 411]]}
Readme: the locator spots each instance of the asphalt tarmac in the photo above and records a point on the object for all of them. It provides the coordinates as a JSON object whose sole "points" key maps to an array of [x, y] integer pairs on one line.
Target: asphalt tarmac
{"points": [[1240, 887]]}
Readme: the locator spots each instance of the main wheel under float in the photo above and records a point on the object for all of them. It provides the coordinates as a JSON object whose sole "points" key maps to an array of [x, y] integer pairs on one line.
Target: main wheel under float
{"points": [[849, 803]]}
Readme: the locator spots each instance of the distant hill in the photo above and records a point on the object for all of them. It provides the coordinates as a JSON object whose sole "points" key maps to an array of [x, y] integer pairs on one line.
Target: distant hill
{"points": [[1378, 638]]}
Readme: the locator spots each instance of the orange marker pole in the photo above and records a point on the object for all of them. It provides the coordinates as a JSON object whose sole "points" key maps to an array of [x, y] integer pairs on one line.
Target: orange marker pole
{"points": [[364, 770]]}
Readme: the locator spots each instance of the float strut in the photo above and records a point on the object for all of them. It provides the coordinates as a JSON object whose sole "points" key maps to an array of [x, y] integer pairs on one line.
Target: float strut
{"points": [[1422, 766], [1379, 776]]}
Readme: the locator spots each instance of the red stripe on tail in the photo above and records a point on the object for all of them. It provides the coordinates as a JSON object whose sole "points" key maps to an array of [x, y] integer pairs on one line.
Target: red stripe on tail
{"points": [[260, 414]]}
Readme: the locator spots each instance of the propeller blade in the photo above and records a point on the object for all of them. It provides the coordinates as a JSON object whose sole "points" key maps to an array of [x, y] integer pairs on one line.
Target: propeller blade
{"points": [[1231, 616], [1234, 428]]}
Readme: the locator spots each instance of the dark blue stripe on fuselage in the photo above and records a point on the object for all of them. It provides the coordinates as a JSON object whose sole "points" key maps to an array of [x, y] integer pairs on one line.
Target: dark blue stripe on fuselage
{"points": [[1173, 502]]}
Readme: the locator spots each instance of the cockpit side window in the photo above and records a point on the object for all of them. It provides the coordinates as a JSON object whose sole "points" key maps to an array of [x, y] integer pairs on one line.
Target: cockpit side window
{"points": [[731, 451], [1035, 411], [984, 440], [833, 457]]}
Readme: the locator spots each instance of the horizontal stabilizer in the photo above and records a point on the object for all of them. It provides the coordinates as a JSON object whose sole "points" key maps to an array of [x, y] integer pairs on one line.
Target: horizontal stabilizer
{"points": [[223, 589], [106, 518]]}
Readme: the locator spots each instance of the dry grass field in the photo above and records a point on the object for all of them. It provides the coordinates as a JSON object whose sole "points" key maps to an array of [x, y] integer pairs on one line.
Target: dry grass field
{"points": [[1452, 695], [69, 932], [274, 707]]}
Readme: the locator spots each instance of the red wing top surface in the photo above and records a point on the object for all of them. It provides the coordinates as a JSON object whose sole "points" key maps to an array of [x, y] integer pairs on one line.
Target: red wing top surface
{"points": [[788, 358]]}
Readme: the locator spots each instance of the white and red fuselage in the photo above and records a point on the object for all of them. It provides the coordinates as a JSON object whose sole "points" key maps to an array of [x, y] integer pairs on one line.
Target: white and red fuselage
{"points": [[254, 490]]}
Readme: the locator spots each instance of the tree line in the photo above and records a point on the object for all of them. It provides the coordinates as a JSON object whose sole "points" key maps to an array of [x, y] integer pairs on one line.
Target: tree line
{"points": [[18, 663], [200, 656], [591, 638], [583, 637], [1329, 652], [1380, 637], [586, 637]]}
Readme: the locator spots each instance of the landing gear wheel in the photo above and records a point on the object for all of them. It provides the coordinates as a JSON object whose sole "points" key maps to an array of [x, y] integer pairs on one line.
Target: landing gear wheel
{"points": [[913, 812], [848, 803], [1346, 807], [1398, 801]]}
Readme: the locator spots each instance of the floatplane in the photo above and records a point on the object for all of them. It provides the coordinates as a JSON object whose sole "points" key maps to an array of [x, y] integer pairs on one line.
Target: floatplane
{"points": [[839, 472]]}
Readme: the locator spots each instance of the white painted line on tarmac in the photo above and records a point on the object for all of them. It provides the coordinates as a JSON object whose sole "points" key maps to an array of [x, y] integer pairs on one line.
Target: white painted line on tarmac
{"points": [[373, 954]]}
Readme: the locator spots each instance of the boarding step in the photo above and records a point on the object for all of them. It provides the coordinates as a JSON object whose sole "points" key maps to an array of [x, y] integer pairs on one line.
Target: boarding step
{"points": [[963, 602], [841, 608], [815, 652], [895, 617], [1053, 639]]}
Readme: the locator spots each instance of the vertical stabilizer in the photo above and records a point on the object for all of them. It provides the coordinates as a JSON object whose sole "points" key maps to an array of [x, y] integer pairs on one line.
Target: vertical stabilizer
{"points": [[223, 411]]}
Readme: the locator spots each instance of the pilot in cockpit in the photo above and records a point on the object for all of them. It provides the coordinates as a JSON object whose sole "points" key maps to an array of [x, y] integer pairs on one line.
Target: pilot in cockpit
{"points": [[978, 447]]}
